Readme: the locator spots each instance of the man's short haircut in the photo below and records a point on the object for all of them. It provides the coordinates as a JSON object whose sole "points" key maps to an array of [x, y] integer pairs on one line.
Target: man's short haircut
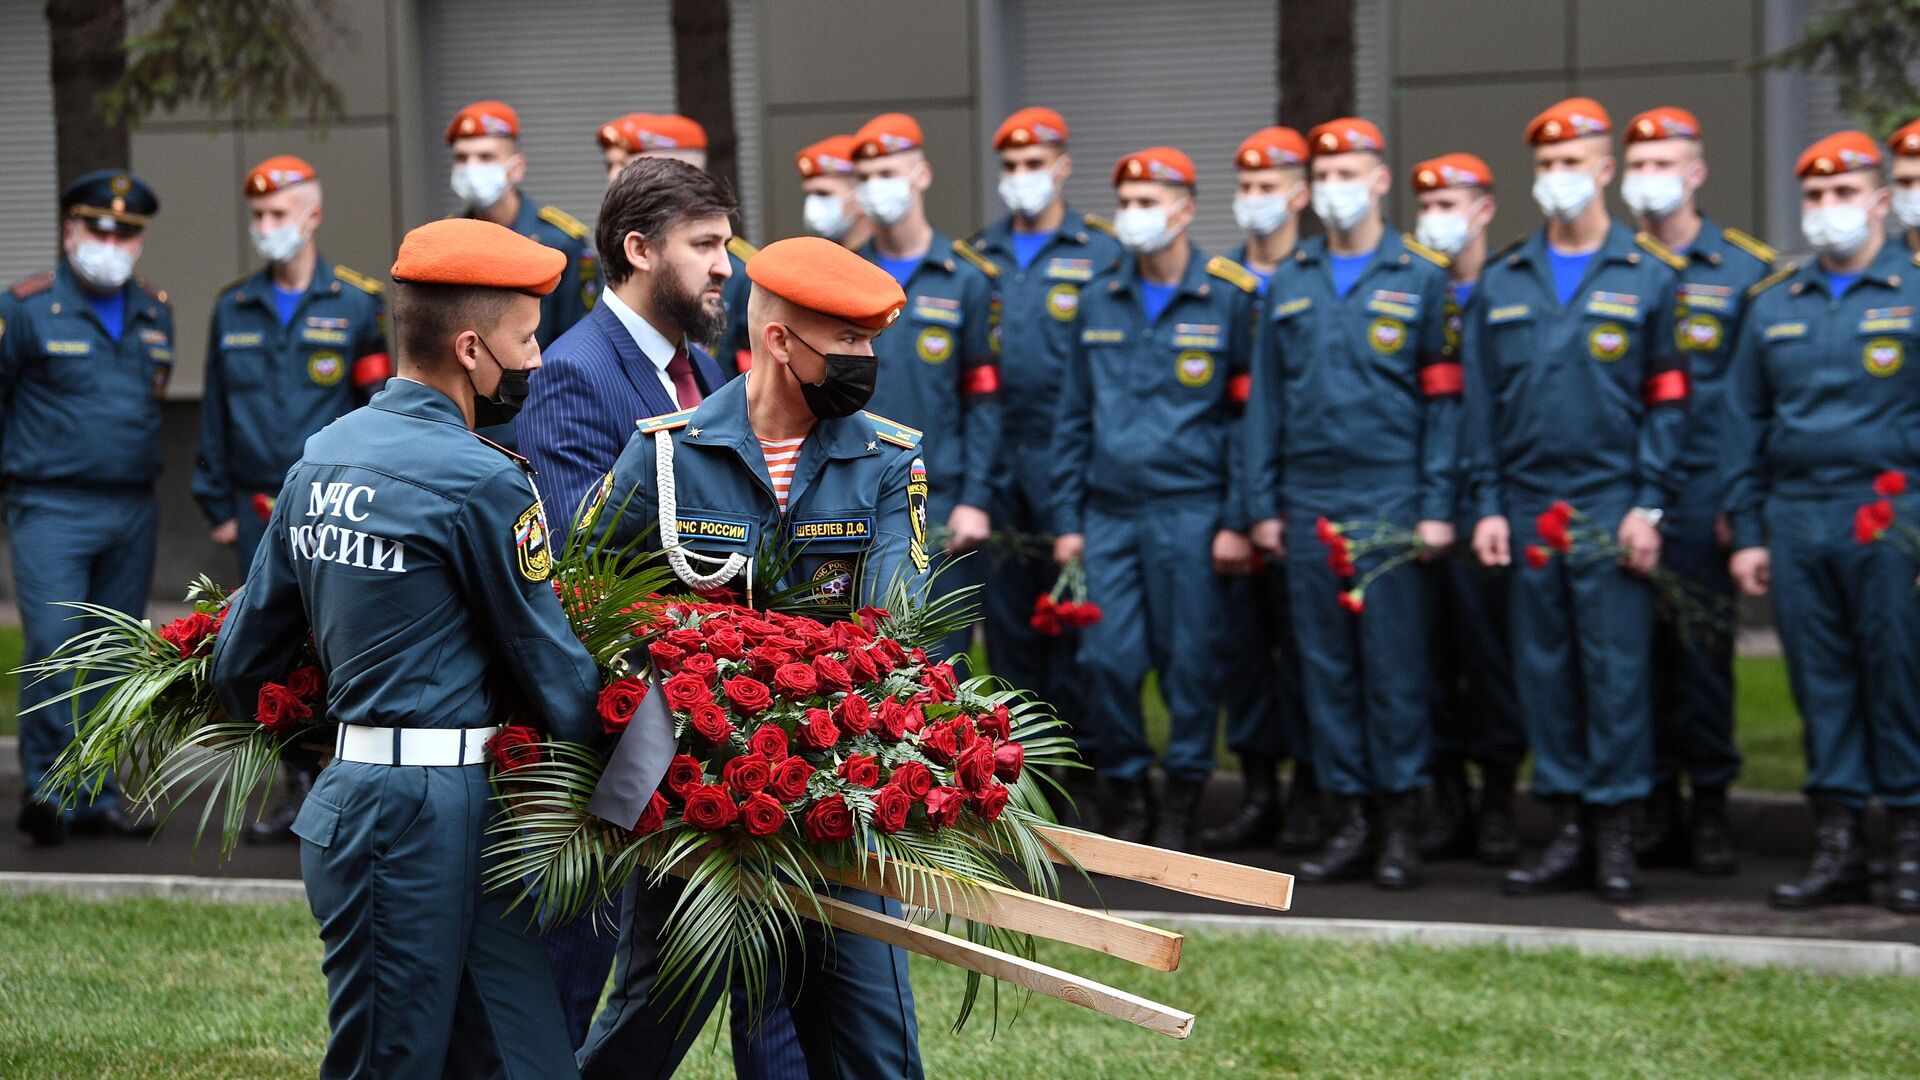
{"points": [[426, 317], [653, 196]]}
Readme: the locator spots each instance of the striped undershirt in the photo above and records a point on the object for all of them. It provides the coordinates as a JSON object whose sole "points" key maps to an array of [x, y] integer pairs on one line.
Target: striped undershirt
{"points": [[782, 455]]}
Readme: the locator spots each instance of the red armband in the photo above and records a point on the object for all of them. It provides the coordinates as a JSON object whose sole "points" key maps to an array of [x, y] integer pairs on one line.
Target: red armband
{"points": [[1666, 386], [743, 359], [1240, 388], [372, 368], [984, 379], [1442, 379]]}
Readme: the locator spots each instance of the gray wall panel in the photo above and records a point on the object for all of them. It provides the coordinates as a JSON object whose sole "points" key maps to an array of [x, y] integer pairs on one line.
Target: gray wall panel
{"points": [[1457, 38]]}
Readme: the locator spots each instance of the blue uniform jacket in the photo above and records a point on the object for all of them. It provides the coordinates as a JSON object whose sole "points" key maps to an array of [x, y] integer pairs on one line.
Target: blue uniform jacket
{"points": [[1722, 265], [940, 373], [1154, 409], [856, 508], [419, 556], [1037, 306], [76, 407], [268, 387], [1569, 402], [579, 282], [1356, 391], [1825, 391]]}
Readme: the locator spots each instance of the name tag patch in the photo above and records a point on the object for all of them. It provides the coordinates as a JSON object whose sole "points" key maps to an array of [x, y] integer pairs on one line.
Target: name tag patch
{"points": [[1102, 337], [1509, 313], [848, 528], [936, 309], [69, 348], [1292, 307], [1701, 297], [733, 532], [1881, 320], [1070, 269], [1400, 305], [1616, 305], [315, 336], [1780, 330], [241, 341]]}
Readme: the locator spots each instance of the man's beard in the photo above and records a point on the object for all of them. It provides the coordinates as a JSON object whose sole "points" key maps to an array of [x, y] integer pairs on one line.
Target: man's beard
{"points": [[688, 310]]}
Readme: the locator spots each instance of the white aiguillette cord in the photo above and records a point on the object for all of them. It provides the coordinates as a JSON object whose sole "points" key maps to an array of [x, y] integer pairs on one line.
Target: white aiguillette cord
{"points": [[678, 556]]}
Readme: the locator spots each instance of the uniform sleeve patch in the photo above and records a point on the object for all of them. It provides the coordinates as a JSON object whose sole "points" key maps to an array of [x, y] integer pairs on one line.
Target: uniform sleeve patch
{"points": [[917, 512], [532, 546]]}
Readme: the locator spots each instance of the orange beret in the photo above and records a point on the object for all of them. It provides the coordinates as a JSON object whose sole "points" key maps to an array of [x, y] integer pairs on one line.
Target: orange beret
{"points": [[622, 132], [1451, 171], [275, 173], [1842, 151], [831, 156], [666, 131], [1906, 141], [820, 275], [1271, 148], [1160, 164], [485, 118], [1031, 127], [1665, 122], [1573, 118], [467, 251], [1345, 135], [888, 133]]}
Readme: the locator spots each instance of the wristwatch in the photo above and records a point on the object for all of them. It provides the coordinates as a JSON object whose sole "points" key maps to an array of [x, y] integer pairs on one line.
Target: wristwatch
{"points": [[1652, 515]]}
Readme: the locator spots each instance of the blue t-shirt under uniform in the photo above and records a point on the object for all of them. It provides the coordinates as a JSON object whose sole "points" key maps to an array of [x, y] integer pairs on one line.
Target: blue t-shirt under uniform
{"points": [[1027, 245], [285, 301], [1264, 278], [901, 269], [1568, 271], [1837, 284], [1346, 271], [1462, 292], [111, 311], [1154, 298]]}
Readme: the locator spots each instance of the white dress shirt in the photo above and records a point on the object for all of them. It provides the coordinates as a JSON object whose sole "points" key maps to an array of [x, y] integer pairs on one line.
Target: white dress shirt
{"points": [[653, 344]]}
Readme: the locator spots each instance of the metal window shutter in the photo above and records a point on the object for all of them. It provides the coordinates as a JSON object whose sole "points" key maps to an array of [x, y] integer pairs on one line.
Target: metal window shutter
{"points": [[1128, 76], [29, 187]]}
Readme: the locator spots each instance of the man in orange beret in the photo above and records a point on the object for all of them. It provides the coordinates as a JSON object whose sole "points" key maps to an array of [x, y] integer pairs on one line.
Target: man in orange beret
{"points": [[1579, 399], [1693, 673], [1904, 146], [827, 183], [619, 141], [1270, 171], [418, 556], [815, 310], [488, 168], [1826, 396]]}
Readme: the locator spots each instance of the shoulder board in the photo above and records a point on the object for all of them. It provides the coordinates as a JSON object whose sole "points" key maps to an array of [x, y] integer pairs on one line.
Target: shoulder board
{"points": [[38, 283], [563, 221], [358, 280], [1437, 258], [515, 458], [741, 249], [157, 294], [1507, 248], [890, 431], [1659, 251], [1099, 224], [666, 422], [1233, 273], [1772, 279], [234, 284], [980, 262], [1750, 245]]}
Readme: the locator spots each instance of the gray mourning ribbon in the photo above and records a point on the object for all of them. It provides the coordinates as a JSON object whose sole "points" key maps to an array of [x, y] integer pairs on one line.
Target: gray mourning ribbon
{"points": [[637, 764]]}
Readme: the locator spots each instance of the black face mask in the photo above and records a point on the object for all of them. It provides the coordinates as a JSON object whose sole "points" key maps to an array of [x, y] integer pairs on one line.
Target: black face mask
{"points": [[507, 397], [846, 387]]}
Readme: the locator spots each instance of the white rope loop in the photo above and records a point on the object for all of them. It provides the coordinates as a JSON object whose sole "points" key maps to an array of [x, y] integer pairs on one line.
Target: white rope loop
{"points": [[677, 556]]}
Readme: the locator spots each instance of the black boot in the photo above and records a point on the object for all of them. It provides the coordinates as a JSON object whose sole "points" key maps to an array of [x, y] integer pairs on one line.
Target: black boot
{"points": [[1450, 827], [1349, 850], [1259, 815], [1132, 810], [1903, 887], [1174, 831], [1837, 873], [1496, 843], [1564, 864], [1301, 829], [1660, 839], [1616, 872], [1712, 839], [1399, 864], [41, 821], [276, 826]]}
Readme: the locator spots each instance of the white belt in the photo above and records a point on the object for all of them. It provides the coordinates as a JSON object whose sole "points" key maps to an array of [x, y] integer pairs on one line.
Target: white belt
{"points": [[412, 746]]}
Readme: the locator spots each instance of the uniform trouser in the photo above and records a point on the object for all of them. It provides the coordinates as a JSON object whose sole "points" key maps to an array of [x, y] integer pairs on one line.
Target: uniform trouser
{"points": [[1476, 712], [1582, 644], [251, 527], [949, 574], [72, 544], [1365, 675], [1849, 621], [1693, 672], [1150, 569], [1015, 577], [1265, 714], [851, 1002], [427, 973]]}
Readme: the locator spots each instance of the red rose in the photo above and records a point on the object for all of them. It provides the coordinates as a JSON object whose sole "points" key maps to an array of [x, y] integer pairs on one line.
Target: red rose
{"points": [[849, 636], [990, 802], [890, 808], [727, 643], [666, 658], [263, 506], [1538, 557], [861, 666], [997, 725], [654, 816], [769, 741], [685, 775], [913, 778], [817, 731], [1871, 520], [749, 695], [861, 770], [307, 683], [702, 665], [747, 774], [765, 660], [1353, 600], [790, 778], [619, 701], [1890, 483], [943, 806], [710, 808], [871, 616], [762, 814], [709, 721], [888, 654], [941, 742], [973, 769], [686, 639], [188, 634], [939, 679], [829, 821], [853, 714], [1553, 530], [1008, 759], [514, 746], [795, 681], [279, 710], [832, 675], [684, 691]]}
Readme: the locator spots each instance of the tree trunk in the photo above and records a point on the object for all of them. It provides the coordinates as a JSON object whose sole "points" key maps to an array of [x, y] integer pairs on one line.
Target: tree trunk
{"points": [[703, 81], [89, 55], [1316, 69]]}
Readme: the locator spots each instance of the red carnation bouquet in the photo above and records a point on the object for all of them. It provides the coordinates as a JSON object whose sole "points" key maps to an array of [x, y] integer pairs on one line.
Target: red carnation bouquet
{"points": [[1348, 542], [1566, 532], [1879, 521], [1065, 606]]}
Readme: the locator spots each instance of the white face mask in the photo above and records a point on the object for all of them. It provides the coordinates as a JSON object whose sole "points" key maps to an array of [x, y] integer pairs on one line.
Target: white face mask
{"points": [[281, 244], [1027, 193], [1906, 207], [480, 185], [1653, 195], [1143, 230], [102, 266], [1446, 233], [1261, 215], [1835, 231], [1562, 195], [886, 199], [827, 215], [1342, 204]]}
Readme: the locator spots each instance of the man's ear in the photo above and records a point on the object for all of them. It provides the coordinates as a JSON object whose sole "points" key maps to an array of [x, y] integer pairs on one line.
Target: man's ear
{"points": [[639, 252], [1063, 167], [924, 173], [774, 336], [466, 349], [516, 169]]}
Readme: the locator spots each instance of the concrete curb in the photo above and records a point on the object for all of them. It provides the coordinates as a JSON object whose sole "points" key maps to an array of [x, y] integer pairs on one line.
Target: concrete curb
{"points": [[156, 886]]}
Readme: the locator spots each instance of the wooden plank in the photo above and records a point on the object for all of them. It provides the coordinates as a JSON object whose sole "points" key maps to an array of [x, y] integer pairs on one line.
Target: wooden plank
{"points": [[1010, 909], [1194, 875]]}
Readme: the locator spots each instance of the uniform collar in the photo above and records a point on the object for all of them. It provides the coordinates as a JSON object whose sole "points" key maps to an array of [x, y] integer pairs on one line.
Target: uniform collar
{"points": [[1194, 283], [405, 397], [999, 235], [67, 290], [1889, 268], [1709, 246], [1392, 250], [1619, 246], [257, 288], [939, 253], [722, 419]]}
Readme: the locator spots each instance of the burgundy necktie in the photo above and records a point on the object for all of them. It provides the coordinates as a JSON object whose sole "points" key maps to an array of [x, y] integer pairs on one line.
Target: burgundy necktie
{"points": [[680, 370]]}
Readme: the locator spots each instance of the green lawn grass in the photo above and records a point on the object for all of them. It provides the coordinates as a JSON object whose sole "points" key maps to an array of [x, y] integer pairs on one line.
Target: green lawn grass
{"points": [[178, 990]]}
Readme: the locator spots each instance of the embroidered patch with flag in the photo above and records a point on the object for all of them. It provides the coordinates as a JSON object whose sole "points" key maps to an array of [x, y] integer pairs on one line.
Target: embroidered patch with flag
{"points": [[1063, 301], [1700, 332], [1386, 335], [326, 367], [1193, 368], [1883, 356], [935, 345], [531, 543], [917, 513], [1608, 342]]}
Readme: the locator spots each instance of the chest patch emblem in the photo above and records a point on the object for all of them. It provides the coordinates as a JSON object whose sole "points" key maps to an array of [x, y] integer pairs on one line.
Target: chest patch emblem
{"points": [[935, 345], [1062, 301], [1608, 342], [1193, 368], [1386, 335], [1700, 332], [530, 544], [833, 581], [326, 367], [1883, 356]]}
